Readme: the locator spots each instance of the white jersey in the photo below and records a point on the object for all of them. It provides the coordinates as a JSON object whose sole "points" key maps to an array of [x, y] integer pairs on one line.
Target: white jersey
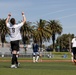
{"points": [[74, 42], [15, 31]]}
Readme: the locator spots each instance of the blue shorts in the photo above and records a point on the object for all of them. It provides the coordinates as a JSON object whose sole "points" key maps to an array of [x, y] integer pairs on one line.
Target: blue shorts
{"points": [[35, 53]]}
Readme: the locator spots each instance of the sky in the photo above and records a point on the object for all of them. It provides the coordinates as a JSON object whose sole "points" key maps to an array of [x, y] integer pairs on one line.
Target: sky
{"points": [[62, 10]]}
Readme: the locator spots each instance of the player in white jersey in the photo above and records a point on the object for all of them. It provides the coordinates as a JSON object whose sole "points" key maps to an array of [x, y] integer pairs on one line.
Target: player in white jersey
{"points": [[15, 36], [74, 49]]}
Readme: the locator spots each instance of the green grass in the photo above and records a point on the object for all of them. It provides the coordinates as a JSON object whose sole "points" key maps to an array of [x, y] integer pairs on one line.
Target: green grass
{"points": [[41, 68], [57, 56], [29, 68]]}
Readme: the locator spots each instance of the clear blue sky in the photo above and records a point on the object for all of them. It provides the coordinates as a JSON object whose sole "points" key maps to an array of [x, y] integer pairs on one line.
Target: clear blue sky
{"points": [[62, 10]]}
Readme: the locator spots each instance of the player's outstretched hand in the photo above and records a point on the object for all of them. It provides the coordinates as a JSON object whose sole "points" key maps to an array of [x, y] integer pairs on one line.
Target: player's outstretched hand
{"points": [[22, 13], [9, 14]]}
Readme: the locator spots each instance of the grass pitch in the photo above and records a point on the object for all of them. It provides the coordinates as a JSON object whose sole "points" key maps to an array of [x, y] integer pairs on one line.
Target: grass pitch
{"points": [[40, 68]]}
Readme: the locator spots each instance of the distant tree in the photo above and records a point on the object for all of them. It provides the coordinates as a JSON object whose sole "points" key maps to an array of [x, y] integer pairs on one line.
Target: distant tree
{"points": [[26, 32], [3, 31], [64, 41], [41, 32], [56, 28]]}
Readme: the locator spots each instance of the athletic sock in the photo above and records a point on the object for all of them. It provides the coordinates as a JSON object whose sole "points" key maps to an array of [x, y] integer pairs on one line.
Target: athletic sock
{"points": [[13, 59], [16, 60], [72, 59], [37, 58], [33, 59]]}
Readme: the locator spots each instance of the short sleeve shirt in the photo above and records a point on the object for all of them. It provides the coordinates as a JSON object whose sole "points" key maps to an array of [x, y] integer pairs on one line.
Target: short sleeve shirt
{"points": [[15, 31], [74, 42]]}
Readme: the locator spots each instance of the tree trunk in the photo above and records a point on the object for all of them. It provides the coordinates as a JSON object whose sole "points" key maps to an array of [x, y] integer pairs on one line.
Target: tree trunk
{"points": [[2, 39], [53, 39]]}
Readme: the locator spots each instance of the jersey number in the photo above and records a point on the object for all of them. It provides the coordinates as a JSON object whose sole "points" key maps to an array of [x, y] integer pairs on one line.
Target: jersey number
{"points": [[13, 30]]}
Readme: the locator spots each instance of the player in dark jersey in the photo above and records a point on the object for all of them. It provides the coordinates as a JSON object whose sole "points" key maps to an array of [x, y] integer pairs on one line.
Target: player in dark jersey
{"points": [[35, 47]]}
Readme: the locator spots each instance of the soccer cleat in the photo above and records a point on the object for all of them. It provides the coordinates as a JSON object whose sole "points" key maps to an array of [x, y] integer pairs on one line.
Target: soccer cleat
{"points": [[13, 66], [74, 62], [36, 60], [18, 64]]}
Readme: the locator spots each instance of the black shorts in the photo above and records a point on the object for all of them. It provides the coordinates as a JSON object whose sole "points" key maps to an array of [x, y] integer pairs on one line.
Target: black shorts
{"points": [[74, 50], [15, 45]]}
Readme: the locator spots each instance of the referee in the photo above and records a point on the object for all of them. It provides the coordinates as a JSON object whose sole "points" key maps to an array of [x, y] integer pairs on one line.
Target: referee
{"points": [[15, 36]]}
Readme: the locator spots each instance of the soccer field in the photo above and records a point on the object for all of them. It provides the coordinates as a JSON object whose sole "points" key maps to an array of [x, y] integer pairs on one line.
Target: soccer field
{"points": [[40, 68]]}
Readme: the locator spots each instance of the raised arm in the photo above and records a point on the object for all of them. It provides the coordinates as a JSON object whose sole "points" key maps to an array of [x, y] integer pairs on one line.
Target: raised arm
{"points": [[24, 18], [8, 18]]}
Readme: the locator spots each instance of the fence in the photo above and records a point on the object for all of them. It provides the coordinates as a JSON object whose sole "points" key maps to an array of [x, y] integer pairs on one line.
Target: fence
{"points": [[5, 52]]}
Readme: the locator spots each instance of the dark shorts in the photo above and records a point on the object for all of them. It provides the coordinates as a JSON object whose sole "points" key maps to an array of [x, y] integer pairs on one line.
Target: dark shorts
{"points": [[74, 50], [15, 45]]}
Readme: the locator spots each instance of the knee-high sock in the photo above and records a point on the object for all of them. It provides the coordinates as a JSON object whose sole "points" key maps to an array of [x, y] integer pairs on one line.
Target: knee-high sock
{"points": [[37, 58], [33, 58], [72, 58], [16, 60], [13, 59]]}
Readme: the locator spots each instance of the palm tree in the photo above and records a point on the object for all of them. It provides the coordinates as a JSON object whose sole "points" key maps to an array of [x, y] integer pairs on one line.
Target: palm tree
{"points": [[56, 28], [41, 32], [26, 32], [3, 31]]}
